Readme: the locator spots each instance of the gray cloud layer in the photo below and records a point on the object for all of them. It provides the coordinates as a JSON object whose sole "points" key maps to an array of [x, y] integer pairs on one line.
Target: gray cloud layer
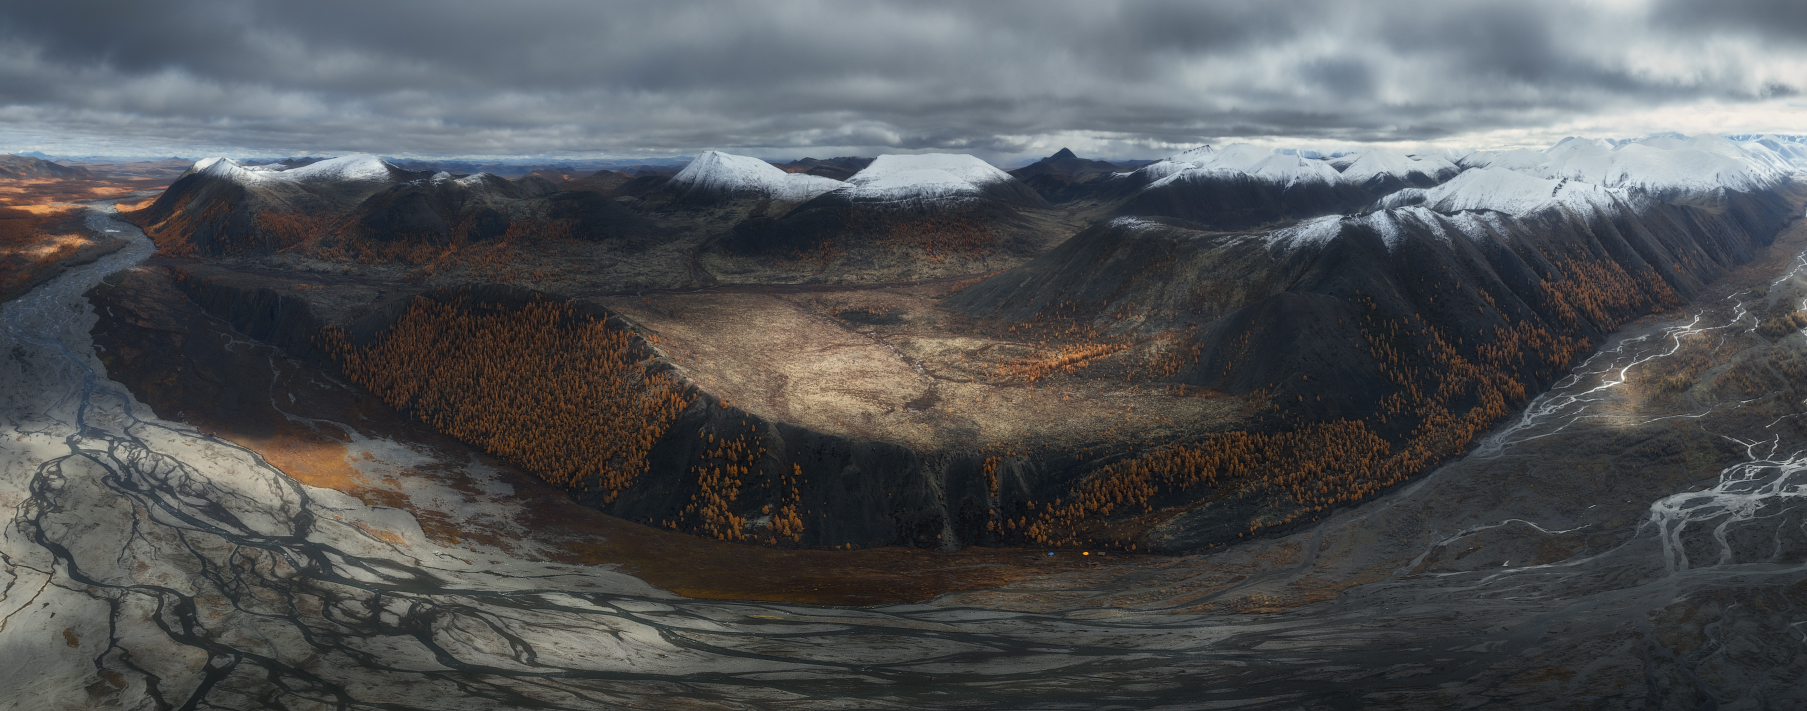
{"points": [[998, 79]]}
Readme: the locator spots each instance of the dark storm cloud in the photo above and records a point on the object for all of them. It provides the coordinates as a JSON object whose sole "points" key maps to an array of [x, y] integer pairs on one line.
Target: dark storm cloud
{"points": [[789, 78]]}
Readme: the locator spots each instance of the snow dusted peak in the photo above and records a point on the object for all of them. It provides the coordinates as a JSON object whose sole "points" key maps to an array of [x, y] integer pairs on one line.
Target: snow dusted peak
{"points": [[924, 176], [1506, 191], [1241, 156], [216, 166], [1194, 156], [1384, 168], [1791, 152], [441, 176], [958, 165], [360, 167], [725, 174], [1664, 165], [1290, 170], [1448, 155], [1285, 169], [1576, 146], [235, 171], [1380, 162], [715, 166], [1521, 159], [1668, 165], [1177, 163], [1667, 140], [1158, 170]]}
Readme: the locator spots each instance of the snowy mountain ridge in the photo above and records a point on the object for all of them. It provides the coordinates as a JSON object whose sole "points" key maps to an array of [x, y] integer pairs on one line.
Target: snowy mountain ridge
{"points": [[361, 167], [1286, 169], [715, 172], [1377, 167], [923, 176], [1507, 191], [1664, 165]]}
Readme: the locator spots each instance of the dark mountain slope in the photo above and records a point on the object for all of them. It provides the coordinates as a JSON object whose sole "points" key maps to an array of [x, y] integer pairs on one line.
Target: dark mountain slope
{"points": [[1402, 334], [839, 168], [223, 208], [1226, 200], [1065, 177], [415, 220]]}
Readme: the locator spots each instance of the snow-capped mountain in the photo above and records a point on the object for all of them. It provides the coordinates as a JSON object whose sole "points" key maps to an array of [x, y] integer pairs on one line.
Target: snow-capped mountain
{"points": [[1665, 165], [1238, 187], [1448, 155], [353, 168], [1382, 170], [1501, 190], [925, 177], [1182, 161], [1262, 164], [958, 204], [1792, 149], [715, 175], [221, 207]]}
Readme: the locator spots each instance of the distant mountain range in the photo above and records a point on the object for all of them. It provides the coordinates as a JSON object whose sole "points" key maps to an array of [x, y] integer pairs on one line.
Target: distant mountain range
{"points": [[22, 166], [1236, 187]]}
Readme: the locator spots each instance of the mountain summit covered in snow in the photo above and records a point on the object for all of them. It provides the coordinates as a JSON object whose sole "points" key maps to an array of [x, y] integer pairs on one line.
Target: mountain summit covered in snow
{"points": [[928, 178], [715, 175]]}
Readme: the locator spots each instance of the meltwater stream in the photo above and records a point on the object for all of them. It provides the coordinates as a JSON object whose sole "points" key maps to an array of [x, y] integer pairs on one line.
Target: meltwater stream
{"points": [[146, 565]]}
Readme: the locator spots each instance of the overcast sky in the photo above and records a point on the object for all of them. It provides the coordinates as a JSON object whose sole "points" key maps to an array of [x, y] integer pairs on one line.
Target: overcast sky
{"points": [[1003, 80]]}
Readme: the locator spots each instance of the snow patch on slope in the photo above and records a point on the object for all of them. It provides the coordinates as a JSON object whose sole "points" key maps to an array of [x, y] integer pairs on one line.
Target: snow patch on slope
{"points": [[1317, 230], [1391, 225], [1136, 224]]}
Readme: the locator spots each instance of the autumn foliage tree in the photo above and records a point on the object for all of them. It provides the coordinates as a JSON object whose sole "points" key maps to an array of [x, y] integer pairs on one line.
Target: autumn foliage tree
{"points": [[1444, 396], [561, 394]]}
